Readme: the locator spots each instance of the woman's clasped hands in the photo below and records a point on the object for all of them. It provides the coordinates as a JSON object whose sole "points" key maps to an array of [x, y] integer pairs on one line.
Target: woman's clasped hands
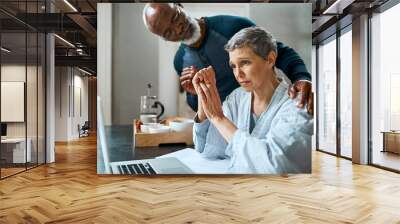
{"points": [[209, 103]]}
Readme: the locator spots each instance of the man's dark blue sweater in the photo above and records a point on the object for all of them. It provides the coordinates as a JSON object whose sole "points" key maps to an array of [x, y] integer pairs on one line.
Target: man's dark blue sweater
{"points": [[219, 29]]}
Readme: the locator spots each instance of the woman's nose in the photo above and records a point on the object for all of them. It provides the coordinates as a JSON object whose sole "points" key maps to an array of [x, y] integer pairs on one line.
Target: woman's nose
{"points": [[239, 73]]}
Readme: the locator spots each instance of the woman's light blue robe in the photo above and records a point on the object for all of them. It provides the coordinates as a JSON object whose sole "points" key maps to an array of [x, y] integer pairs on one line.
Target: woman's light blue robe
{"points": [[279, 143]]}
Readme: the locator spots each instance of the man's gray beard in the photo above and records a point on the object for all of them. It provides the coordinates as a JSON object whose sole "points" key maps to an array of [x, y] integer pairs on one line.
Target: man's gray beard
{"points": [[196, 32]]}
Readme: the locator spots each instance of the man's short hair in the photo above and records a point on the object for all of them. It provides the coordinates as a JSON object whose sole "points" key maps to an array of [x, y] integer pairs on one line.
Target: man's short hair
{"points": [[257, 38]]}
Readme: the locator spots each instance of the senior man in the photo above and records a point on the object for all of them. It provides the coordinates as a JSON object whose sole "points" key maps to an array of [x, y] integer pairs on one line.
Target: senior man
{"points": [[202, 45]]}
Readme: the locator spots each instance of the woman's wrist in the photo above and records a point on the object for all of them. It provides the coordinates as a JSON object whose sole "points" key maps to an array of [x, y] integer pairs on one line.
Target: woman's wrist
{"points": [[224, 126], [201, 117], [218, 119]]}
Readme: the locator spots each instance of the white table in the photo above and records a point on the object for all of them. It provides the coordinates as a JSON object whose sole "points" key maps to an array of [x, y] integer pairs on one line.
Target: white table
{"points": [[19, 149]]}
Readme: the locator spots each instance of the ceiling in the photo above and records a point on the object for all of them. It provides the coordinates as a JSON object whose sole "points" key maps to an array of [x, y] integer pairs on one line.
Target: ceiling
{"points": [[76, 24]]}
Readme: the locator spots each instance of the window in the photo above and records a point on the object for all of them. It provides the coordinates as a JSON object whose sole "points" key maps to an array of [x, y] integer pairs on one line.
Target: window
{"points": [[346, 93], [385, 88], [327, 96], [22, 65]]}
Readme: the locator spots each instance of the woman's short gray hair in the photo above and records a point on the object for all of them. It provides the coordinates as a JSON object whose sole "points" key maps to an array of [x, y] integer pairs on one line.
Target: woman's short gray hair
{"points": [[257, 38]]}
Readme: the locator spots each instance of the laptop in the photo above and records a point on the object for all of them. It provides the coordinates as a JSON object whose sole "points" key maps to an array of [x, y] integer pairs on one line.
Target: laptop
{"points": [[168, 165]]}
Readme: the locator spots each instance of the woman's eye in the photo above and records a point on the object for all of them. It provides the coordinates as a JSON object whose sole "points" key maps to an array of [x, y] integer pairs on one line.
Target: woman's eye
{"points": [[245, 62], [232, 66]]}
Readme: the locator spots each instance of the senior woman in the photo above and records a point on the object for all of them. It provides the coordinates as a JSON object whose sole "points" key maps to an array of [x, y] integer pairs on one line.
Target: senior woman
{"points": [[258, 127]]}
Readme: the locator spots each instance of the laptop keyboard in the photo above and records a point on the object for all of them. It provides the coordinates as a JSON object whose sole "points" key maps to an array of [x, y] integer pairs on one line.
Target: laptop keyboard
{"points": [[138, 168]]}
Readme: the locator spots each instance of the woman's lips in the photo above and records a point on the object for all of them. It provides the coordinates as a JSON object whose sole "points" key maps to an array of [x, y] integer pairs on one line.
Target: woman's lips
{"points": [[244, 82]]}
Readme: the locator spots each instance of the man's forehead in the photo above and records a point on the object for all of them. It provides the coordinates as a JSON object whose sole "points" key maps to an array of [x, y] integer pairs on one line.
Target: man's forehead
{"points": [[159, 10], [151, 11], [156, 15]]}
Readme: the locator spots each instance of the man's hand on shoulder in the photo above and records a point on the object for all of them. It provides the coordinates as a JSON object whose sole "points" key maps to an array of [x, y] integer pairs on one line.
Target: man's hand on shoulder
{"points": [[306, 95]]}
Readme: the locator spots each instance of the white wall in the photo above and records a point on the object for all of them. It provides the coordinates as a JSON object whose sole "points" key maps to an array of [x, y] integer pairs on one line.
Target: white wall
{"points": [[104, 58], [61, 103], [80, 104], [67, 114], [288, 23], [135, 62], [198, 10], [168, 90]]}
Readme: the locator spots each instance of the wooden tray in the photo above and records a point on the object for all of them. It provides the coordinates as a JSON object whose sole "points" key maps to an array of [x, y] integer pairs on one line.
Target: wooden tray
{"points": [[155, 139]]}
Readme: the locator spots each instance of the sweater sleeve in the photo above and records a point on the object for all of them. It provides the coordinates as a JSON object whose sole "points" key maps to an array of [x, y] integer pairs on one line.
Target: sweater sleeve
{"points": [[291, 63], [206, 137], [228, 25]]}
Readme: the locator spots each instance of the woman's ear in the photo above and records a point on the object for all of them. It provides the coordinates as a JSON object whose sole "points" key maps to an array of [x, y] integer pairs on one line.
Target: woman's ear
{"points": [[271, 57]]}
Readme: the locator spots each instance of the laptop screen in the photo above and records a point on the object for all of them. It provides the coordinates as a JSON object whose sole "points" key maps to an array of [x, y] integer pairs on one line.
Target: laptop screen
{"points": [[101, 138]]}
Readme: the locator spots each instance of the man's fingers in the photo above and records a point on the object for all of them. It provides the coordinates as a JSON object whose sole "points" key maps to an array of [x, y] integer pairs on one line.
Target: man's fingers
{"points": [[186, 83], [183, 74], [303, 98], [188, 75], [292, 92], [187, 71], [187, 86], [188, 68], [306, 92], [185, 77], [310, 104]]}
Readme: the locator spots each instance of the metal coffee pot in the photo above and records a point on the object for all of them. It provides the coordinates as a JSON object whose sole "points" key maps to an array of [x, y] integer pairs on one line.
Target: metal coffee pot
{"points": [[150, 108]]}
